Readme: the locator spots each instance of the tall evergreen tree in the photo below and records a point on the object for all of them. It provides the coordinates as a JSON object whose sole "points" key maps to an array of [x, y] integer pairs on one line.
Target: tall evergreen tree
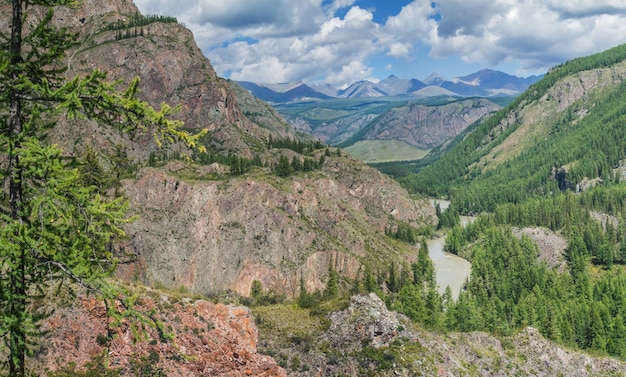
{"points": [[53, 227], [423, 269]]}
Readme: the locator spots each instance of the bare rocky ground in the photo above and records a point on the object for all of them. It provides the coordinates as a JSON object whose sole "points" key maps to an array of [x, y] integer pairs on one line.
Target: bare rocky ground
{"points": [[551, 245]]}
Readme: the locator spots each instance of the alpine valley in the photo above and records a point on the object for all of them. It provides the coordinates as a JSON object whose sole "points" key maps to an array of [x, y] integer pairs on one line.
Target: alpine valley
{"points": [[394, 119], [264, 251]]}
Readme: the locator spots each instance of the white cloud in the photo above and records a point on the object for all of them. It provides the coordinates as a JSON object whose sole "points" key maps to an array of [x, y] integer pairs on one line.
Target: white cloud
{"points": [[309, 40], [337, 51], [533, 32], [412, 25], [349, 72]]}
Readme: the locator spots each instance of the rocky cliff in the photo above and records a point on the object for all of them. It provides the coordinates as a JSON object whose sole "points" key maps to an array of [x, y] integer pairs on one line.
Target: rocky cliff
{"points": [[219, 235], [201, 227], [172, 70]]}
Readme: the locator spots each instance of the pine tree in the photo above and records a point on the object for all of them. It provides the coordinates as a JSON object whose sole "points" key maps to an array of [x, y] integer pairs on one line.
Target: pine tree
{"points": [[423, 269], [332, 286], [53, 227]]}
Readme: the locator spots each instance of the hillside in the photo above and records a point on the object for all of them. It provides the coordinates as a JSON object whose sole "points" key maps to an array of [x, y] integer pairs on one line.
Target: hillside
{"points": [[270, 218], [570, 121], [550, 165], [423, 124]]}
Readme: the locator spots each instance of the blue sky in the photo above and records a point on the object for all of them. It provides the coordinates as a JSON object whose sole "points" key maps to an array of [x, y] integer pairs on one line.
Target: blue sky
{"points": [[342, 41]]}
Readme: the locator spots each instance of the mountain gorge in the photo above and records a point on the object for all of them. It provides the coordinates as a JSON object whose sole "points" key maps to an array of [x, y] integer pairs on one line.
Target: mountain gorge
{"points": [[329, 253], [551, 162], [264, 204], [214, 230]]}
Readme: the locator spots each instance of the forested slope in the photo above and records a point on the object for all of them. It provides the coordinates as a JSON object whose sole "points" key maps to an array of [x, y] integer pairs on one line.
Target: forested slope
{"points": [[498, 162], [553, 162]]}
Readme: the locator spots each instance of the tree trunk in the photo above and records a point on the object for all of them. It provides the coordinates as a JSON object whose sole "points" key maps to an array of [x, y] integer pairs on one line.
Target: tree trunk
{"points": [[17, 275]]}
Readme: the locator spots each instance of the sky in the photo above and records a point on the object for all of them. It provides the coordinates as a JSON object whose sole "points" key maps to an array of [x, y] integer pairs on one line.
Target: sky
{"points": [[342, 41]]}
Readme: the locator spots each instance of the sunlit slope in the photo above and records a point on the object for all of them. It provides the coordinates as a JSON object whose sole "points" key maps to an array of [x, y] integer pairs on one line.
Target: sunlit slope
{"points": [[567, 127]]}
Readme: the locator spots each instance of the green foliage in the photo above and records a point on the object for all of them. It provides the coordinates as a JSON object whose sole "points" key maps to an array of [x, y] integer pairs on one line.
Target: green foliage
{"points": [[332, 285], [283, 167], [400, 354], [448, 218], [423, 270], [402, 231], [97, 367], [258, 296], [257, 289], [509, 289], [147, 366], [296, 145], [128, 28], [55, 224]]}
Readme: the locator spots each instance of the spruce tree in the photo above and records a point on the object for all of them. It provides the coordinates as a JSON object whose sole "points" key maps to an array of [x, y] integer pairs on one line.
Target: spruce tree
{"points": [[53, 227]]}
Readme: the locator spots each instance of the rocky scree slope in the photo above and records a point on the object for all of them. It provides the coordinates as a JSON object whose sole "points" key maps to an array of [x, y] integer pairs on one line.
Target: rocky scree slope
{"points": [[200, 227]]}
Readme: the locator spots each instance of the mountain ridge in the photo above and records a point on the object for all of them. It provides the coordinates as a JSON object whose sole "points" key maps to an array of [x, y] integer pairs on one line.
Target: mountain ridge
{"points": [[484, 83]]}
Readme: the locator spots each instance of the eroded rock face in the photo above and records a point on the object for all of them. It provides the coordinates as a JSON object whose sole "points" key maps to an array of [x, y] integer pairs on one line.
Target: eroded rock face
{"points": [[428, 126], [198, 338], [211, 236], [551, 245]]}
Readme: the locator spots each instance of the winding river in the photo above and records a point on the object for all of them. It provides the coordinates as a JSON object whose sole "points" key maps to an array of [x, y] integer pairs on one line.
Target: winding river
{"points": [[449, 269]]}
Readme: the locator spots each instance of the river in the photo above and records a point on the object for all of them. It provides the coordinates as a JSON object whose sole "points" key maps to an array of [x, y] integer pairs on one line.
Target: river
{"points": [[449, 269]]}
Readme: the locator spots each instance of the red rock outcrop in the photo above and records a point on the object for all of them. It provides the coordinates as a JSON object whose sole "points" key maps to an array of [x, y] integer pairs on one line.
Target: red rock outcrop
{"points": [[186, 338]]}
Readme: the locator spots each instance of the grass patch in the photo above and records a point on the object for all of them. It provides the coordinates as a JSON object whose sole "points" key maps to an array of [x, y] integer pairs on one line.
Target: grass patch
{"points": [[288, 322], [385, 151]]}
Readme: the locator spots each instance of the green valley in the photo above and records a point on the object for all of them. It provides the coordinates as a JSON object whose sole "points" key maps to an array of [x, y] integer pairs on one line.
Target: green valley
{"points": [[552, 160]]}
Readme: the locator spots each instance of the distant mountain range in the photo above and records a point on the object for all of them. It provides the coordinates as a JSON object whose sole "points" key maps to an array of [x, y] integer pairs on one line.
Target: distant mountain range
{"points": [[484, 83]]}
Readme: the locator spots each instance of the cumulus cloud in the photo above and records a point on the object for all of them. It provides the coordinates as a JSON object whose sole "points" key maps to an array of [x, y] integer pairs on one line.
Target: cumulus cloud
{"points": [[337, 40], [538, 34], [413, 24], [336, 51]]}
